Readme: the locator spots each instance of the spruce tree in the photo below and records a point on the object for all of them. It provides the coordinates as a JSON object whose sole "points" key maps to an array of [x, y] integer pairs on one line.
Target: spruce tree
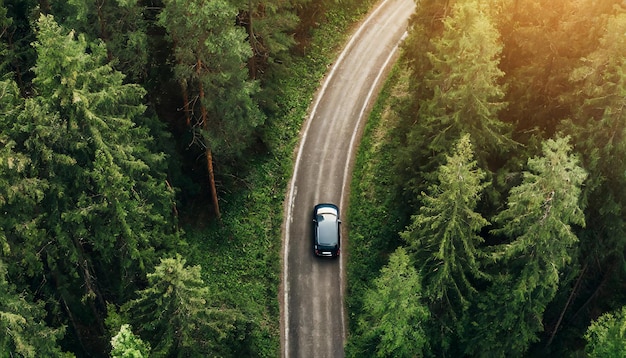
{"points": [[444, 239], [541, 244], [100, 211], [174, 313], [126, 345], [394, 318], [24, 331], [463, 95], [606, 336], [598, 127]]}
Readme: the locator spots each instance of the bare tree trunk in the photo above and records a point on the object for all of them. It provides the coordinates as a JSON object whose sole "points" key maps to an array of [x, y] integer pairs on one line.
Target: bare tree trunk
{"points": [[209, 154], [569, 301], [252, 60], [216, 204]]}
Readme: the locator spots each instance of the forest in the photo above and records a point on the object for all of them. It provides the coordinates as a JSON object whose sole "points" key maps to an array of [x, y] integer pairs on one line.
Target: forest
{"points": [[487, 214], [145, 146]]}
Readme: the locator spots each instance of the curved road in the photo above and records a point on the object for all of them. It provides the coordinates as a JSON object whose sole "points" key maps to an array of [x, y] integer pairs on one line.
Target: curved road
{"points": [[313, 322]]}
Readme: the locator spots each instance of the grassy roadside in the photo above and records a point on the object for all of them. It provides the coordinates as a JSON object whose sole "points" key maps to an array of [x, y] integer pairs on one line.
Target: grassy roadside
{"points": [[241, 258], [373, 213]]}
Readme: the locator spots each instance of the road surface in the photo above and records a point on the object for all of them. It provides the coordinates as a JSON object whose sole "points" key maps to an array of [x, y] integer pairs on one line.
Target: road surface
{"points": [[313, 319]]}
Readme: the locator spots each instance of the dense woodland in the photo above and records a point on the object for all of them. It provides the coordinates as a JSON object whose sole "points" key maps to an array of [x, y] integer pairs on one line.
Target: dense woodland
{"points": [[134, 135], [144, 151], [507, 151]]}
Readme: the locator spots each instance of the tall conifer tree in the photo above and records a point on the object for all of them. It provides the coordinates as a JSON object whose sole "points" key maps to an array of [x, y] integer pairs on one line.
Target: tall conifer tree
{"points": [[444, 238], [174, 313], [218, 97], [538, 222], [464, 94], [394, 319], [598, 127], [100, 210]]}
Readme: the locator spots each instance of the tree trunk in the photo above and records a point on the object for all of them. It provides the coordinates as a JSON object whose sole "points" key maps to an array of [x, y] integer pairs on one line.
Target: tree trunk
{"points": [[209, 164], [209, 154], [252, 60], [186, 105], [569, 300]]}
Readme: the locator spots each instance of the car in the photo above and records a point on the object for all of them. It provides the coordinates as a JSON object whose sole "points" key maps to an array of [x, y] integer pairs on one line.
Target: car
{"points": [[326, 230]]}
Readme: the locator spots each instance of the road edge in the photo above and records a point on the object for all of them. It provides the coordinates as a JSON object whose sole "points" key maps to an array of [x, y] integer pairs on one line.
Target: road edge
{"points": [[292, 189]]}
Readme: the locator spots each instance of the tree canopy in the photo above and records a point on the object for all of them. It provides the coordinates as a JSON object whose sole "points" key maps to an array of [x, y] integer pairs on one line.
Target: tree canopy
{"points": [[538, 89], [394, 323]]}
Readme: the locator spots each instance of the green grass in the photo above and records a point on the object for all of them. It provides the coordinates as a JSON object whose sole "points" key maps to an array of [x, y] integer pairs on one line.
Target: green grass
{"points": [[241, 257], [373, 214]]}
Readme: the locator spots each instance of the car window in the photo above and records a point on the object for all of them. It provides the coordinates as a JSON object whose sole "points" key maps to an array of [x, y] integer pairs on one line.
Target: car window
{"points": [[327, 229]]}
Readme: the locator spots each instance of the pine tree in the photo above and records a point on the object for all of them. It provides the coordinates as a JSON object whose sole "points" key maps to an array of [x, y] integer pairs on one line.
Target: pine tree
{"points": [[24, 332], [598, 127], [269, 25], [218, 97], [444, 238], [606, 336], [394, 319], [538, 222], [464, 95], [99, 210], [173, 313], [126, 345]]}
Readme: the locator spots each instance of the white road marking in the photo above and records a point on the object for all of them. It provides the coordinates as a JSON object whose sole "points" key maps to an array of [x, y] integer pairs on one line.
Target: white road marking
{"points": [[347, 167]]}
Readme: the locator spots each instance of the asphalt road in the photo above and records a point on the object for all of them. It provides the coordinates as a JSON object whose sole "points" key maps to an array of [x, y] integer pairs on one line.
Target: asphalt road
{"points": [[313, 318]]}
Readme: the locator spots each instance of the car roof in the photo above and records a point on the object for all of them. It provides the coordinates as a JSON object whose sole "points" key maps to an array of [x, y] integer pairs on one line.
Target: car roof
{"points": [[327, 221]]}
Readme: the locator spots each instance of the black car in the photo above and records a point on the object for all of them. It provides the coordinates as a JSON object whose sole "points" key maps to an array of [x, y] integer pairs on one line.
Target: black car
{"points": [[326, 236]]}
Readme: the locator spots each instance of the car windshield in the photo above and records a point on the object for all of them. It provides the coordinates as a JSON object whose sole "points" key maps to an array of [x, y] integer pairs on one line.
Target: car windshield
{"points": [[327, 226]]}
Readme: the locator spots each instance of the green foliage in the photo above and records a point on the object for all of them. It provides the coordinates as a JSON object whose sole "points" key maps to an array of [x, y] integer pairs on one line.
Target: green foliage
{"points": [[121, 24], [394, 318], [126, 345], [173, 313], [538, 221], [24, 331], [210, 54], [444, 235], [269, 25], [91, 205], [462, 94], [546, 202], [606, 337], [16, 55], [117, 197], [444, 239], [599, 131]]}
